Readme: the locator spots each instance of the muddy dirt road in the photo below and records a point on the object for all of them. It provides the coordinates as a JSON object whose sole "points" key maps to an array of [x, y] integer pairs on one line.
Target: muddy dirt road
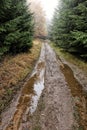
{"points": [[45, 102]]}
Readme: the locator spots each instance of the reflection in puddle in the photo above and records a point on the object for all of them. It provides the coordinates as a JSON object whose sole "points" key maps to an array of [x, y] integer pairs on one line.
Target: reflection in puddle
{"points": [[38, 88], [29, 97]]}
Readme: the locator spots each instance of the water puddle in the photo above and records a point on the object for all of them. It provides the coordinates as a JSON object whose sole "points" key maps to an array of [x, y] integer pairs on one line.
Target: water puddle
{"points": [[79, 95], [30, 95], [38, 88]]}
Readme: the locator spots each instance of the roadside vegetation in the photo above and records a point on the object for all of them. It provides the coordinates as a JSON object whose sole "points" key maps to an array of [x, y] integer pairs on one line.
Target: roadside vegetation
{"points": [[13, 70], [68, 29], [18, 49], [70, 57]]}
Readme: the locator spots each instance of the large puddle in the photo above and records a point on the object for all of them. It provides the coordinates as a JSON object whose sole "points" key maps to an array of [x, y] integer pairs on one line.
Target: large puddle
{"points": [[30, 96], [79, 95]]}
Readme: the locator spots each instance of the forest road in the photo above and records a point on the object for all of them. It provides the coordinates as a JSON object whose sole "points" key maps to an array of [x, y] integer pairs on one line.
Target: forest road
{"points": [[45, 102]]}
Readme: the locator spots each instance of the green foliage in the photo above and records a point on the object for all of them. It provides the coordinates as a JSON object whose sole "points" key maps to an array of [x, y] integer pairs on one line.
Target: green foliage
{"points": [[69, 26], [16, 27]]}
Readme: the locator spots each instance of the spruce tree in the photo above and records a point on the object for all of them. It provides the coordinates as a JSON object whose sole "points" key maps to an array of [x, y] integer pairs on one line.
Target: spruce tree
{"points": [[16, 27], [69, 26]]}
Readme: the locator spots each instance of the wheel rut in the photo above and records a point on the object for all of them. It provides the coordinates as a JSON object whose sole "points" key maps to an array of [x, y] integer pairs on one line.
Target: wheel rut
{"points": [[46, 86]]}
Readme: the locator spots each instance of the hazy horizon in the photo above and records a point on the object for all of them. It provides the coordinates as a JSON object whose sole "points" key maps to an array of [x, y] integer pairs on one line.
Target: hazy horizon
{"points": [[49, 7]]}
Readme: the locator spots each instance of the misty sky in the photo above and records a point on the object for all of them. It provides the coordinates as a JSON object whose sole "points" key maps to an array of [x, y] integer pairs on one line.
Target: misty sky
{"points": [[48, 6]]}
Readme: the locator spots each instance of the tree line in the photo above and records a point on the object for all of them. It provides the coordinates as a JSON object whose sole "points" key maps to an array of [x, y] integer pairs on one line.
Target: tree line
{"points": [[20, 22], [68, 29], [16, 26]]}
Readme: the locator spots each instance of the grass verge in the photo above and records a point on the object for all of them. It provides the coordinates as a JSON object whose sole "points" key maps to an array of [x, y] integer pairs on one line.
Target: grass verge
{"points": [[70, 58], [13, 70]]}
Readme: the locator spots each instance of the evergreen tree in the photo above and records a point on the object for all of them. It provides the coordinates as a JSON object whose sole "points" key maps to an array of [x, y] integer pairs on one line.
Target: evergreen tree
{"points": [[16, 26], [69, 26]]}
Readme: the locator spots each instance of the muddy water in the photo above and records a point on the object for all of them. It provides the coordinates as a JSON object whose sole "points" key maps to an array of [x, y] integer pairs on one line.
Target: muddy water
{"points": [[58, 114], [38, 88], [29, 97], [79, 95]]}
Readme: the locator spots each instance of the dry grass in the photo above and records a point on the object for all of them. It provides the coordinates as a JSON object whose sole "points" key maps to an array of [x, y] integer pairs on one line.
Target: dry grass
{"points": [[70, 58], [15, 69]]}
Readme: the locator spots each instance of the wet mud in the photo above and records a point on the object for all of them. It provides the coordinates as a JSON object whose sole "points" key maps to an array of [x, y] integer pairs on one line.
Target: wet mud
{"points": [[80, 96], [55, 108], [28, 99], [48, 98]]}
